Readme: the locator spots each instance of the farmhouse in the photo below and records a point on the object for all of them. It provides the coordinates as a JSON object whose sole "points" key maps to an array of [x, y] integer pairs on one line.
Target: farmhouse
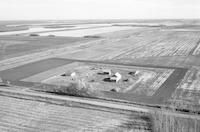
{"points": [[116, 77]]}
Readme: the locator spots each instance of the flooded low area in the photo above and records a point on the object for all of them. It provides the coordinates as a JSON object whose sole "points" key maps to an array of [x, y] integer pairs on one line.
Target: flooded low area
{"points": [[85, 32], [30, 30], [79, 30], [42, 28]]}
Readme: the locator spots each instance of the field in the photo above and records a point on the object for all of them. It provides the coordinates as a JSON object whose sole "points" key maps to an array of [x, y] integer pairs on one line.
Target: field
{"points": [[186, 96], [158, 60], [162, 43], [12, 46], [191, 80], [172, 123], [17, 28], [25, 115]]}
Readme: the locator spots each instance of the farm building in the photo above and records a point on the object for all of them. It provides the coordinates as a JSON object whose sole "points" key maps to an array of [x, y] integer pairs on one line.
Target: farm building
{"points": [[105, 72], [134, 73], [73, 76], [66, 74], [116, 77]]}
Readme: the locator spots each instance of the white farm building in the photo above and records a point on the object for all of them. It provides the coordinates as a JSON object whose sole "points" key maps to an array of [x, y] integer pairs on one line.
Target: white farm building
{"points": [[116, 77]]}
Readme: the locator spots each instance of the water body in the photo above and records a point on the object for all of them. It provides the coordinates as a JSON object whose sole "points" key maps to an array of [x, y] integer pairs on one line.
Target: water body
{"points": [[38, 29], [87, 32], [30, 30]]}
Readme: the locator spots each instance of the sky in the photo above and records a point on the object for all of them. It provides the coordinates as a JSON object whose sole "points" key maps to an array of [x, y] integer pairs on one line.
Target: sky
{"points": [[98, 9]]}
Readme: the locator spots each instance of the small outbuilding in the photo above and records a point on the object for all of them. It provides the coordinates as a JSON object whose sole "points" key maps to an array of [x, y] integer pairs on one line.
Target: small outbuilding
{"points": [[116, 77], [105, 72], [73, 75], [134, 73], [66, 74]]}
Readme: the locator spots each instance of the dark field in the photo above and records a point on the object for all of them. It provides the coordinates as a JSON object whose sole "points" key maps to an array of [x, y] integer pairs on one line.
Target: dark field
{"points": [[30, 69], [13, 46]]}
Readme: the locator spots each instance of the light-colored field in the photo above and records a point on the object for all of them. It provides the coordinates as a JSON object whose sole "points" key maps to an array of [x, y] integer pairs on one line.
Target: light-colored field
{"points": [[191, 80], [28, 116], [160, 43], [140, 43], [156, 84], [186, 96], [173, 123]]}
